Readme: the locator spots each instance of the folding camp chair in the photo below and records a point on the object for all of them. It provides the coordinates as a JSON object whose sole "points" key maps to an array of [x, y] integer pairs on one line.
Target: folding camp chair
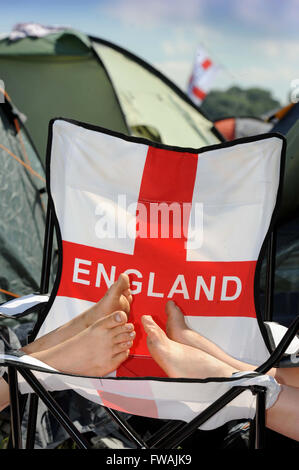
{"points": [[229, 193]]}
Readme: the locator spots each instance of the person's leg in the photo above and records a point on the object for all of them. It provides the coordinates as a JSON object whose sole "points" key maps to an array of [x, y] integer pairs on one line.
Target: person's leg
{"points": [[283, 416], [180, 360], [177, 330], [118, 297], [95, 351], [4, 394]]}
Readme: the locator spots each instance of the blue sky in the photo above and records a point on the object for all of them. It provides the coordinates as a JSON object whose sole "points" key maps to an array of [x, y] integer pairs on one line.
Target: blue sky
{"points": [[255, 41]]}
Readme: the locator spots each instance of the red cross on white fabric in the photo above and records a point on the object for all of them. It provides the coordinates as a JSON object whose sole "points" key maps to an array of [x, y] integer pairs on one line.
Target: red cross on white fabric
{"points": [[168, 176]]}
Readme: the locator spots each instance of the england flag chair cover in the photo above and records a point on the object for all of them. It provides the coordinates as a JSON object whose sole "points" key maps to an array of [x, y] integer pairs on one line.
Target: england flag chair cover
{"points": [[184, 224]]}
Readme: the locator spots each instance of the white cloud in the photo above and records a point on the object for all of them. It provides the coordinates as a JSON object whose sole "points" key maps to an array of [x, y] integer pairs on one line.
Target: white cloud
{"points": [[178, 47], [176, 70], [152, 13], [285, 50], [274, 16]]}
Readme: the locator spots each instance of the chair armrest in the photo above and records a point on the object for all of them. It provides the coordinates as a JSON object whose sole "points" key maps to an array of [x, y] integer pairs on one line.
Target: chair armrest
{"points": [[276, 332], [279, 351], [22, 306]]}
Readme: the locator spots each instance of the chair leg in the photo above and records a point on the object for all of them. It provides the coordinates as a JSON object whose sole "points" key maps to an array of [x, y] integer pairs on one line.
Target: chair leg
{"points": [[54, 408], [167, 430], [260, 418], [32, 416], [14, 408], [127, 429]]}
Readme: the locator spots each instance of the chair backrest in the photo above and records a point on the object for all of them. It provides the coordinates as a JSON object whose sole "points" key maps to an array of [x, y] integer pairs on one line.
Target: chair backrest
{"points": [[185, 224]]}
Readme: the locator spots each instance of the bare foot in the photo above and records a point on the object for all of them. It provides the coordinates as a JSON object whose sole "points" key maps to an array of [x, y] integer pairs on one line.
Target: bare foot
{"points": [[176, 327], [117, 297], [177, 330], [180, 360], [96, 351]]}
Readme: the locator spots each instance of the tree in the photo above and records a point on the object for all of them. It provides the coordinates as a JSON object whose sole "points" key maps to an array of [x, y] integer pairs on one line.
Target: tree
{"points": [[238, 102]]}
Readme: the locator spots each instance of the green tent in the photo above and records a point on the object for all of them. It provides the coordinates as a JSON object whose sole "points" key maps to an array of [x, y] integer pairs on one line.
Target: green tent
{"points": [[22, 213], [84, 78]]}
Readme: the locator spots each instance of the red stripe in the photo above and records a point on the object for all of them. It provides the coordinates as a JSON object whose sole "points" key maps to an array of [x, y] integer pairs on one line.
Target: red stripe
{"points": [[168, 176], [166, 267], [206, 64], [130, 405], [199, 93]]}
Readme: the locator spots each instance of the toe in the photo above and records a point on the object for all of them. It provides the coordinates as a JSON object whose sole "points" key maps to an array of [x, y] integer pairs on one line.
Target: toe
{"points": [[128, 295], [153, 331], [113, 320], [123, 283], [124, 328], [175, 320], [118, 287], [122, 337], [126, 345], [172, 309], [120, 357]]}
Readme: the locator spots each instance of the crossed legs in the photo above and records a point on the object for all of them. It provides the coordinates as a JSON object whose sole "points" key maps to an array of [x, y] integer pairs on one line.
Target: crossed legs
{"points": [[184, 353], [177, 330], [94, 343], [98, 341]]}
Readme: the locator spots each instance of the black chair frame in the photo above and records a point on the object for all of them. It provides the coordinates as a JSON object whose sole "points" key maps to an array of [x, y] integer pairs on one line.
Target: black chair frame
{"points": [[171, 434]]}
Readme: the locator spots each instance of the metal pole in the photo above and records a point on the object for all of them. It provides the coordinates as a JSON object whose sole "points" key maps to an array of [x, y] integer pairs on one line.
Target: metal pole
{"points": [[127, 429], [167, 430], [14, 408], [270, 276], [32, 416], [54, 408], [44, 287], [187, 429], [47, 255], [260, 418]]}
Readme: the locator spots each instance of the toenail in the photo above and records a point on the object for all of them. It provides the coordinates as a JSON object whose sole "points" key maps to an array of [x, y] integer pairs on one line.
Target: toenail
{"points": [[117, 317], [133, 333]]}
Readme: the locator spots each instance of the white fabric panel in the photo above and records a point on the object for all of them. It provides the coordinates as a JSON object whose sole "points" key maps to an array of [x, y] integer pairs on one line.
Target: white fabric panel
{"points": [[238, 337], [62, 311], [86, 174], [158, 398], [237, 213], [97, 171]]}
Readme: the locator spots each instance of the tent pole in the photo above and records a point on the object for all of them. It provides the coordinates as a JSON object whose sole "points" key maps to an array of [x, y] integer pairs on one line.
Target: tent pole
{"points": [[44, 287]]}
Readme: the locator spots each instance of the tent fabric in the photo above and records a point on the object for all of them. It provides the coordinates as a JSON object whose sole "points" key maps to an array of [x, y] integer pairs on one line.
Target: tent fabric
{"points": [[75, 76], [142, 93], [286, 118], [22, 210], [60, 76], [238, 127], [290, 202], [81, 185]]}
